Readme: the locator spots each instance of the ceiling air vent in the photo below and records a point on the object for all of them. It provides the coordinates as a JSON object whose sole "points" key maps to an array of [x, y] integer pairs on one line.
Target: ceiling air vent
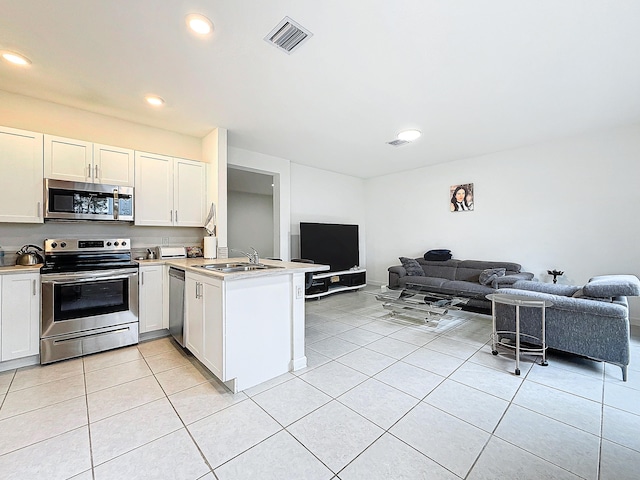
{"points": [[397, 143], [288, 35]]}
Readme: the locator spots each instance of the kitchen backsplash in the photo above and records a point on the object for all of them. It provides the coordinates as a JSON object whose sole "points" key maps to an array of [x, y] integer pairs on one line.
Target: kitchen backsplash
{"points": [[13, 236]]}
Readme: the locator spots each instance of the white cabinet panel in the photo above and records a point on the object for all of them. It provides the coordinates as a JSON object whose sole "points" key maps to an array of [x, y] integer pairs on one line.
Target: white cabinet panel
{"points": [[20, 315], [21, 179], [113, 165], [68, 159], [169, 191], [154, 190], [204, 322], [151, 288], [80, 161], [214, 331], [189, 194], [194, 316]]}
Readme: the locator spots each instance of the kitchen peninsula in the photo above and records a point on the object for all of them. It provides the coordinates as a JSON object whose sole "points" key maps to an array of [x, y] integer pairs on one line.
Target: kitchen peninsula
{"points": [[246, 327]]}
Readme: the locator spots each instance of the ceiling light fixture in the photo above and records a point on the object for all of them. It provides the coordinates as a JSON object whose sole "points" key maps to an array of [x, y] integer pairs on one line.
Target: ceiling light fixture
{"points": [[409, 135], [199, 24], [16, 58], [154, 100]]}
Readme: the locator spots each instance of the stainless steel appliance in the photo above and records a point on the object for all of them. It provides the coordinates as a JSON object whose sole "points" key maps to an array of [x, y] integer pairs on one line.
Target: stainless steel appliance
{"points": [[65, 200], [176, 304], [89, 297]]}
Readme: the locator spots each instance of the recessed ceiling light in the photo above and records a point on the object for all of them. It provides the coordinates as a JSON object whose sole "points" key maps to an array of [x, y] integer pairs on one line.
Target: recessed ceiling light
{"points": [[199, 24], [154, 100], [409, 135], [16, 58]]}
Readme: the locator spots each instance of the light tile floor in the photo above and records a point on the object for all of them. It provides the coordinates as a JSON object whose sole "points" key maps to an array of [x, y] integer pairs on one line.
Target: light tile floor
{"points": [[381, 398]]}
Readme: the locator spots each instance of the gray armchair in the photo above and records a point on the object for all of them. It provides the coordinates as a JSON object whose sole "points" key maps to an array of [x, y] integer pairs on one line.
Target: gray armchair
{"points": [[592, 321]]}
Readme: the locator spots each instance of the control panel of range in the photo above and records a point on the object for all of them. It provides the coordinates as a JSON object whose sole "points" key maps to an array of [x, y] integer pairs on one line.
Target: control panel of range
{"points": [[77, 245]]}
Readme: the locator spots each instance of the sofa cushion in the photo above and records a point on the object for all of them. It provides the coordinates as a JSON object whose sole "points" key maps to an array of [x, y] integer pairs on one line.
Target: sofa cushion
{"points": [[470, 270], [412, 267], [612, 286], [490, 274], [425, 281], [440, 269], [551, 288], [467, 288], [580, 294]]}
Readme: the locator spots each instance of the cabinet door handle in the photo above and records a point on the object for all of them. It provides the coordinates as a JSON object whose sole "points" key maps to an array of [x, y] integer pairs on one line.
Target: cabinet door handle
{"points": [[176, 216], [141, 278], [34, 288], [96, 175], [171, 213], [88, 171]]}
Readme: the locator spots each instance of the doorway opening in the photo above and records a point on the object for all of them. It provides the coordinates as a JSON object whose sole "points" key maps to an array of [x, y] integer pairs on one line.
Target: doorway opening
{"points": [[252, 212]]}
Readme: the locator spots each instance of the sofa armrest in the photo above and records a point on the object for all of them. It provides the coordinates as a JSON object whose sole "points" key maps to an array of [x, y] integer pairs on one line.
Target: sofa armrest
{"points": [[551, 288], [570, 304], [395, 273], [398, 269]]}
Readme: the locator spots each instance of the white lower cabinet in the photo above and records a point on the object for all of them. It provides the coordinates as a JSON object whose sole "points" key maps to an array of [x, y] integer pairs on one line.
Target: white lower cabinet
{"points": [[20, 315], [204, 322], [151, 292]]}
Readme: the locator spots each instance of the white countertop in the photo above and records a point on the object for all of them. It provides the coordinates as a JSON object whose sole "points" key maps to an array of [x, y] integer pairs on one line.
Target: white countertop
{"points": [[11, 269], [192, 264]]}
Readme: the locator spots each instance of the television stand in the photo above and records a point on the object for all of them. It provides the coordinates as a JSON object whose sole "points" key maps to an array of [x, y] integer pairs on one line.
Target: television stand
{"points": [[326, 283]]}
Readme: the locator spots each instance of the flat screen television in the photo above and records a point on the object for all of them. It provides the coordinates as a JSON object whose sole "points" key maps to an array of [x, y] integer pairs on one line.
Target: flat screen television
{"points": [[330, 244]]}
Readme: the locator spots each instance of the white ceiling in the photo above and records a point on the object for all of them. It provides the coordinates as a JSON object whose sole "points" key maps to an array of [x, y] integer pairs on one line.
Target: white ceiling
{"points": [[475, 76]]}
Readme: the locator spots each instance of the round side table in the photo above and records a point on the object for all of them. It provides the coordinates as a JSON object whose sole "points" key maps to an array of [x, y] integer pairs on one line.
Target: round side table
{"points": [[519, 301]]}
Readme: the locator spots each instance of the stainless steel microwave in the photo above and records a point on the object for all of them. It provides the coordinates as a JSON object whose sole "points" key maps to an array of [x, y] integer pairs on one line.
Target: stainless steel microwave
{"points": [[65, 200]]}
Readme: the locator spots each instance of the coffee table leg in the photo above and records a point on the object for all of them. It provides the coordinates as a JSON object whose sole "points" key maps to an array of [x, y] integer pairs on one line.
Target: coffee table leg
{"points": [[494, 347], [517, 340]]}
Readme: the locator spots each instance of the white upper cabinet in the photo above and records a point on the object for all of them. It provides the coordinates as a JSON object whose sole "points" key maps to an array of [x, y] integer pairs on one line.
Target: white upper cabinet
{"points": [[21, 187], [169, 191], [80, 161], [113, 165], [189, 193]]}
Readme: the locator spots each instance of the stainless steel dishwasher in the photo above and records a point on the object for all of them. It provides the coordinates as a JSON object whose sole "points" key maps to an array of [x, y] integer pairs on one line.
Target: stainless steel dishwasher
{"points": [[176, 304]]}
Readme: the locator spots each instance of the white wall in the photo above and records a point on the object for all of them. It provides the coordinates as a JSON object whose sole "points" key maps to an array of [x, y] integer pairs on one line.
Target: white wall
{"points": [[250, 223], [570, 205], [28, 113], [326, 197]]}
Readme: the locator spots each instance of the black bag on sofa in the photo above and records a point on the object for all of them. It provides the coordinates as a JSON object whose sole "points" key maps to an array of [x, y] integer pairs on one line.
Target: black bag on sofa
{"points": [[438, 255]]}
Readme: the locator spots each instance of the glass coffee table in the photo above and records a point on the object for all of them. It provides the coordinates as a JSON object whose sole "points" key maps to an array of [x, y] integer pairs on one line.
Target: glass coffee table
{"points": [[416, 304]]}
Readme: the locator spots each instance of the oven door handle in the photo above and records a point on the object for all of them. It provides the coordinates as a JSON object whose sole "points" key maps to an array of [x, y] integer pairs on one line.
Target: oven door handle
{"points": [[89, 276]]}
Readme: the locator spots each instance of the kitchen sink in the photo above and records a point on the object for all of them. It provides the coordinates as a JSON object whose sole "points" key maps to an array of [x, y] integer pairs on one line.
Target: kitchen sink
{"points": [[237, 267]]}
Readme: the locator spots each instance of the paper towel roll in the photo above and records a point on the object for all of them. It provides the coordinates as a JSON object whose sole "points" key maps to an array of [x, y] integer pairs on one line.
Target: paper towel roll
{"points": [[210, 247]]}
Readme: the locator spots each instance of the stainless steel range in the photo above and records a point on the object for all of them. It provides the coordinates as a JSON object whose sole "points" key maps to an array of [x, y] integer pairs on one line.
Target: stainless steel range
{"points": [[89, 297]]}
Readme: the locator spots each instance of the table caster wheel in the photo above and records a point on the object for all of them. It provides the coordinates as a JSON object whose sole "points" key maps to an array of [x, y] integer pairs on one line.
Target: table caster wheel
{"points": [[495, 352], [517, 371]]}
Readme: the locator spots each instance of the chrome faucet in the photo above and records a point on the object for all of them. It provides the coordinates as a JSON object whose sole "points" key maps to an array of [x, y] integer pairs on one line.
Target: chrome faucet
{"points": [[253, 256]]}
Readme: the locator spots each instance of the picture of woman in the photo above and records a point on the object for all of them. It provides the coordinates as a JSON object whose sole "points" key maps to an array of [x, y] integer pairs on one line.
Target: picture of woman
{"points": [[462, 197]]}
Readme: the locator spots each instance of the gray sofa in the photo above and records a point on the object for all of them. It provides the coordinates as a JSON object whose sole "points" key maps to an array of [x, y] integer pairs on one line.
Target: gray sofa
{"points": [[591, 321], [459, 277]]}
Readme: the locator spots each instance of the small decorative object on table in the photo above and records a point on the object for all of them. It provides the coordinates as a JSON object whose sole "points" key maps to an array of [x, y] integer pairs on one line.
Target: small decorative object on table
{"points": [[555, 273]]}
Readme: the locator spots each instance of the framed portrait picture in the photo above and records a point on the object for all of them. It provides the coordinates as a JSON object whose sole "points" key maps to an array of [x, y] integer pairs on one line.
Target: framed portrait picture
{"points": [[461, 197]]}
